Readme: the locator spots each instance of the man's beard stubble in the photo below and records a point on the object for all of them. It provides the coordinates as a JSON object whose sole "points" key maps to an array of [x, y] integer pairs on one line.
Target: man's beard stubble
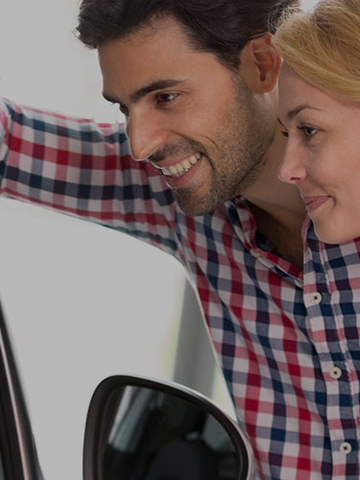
{"points": [[238, 157]]}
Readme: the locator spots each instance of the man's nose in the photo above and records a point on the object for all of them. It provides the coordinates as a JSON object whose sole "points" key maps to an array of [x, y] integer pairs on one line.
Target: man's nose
{"points": [[146, 134], [292, 169]]}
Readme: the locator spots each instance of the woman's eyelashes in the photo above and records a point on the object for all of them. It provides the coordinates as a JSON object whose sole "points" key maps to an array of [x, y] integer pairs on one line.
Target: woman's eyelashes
{"points": [[308, 131]]}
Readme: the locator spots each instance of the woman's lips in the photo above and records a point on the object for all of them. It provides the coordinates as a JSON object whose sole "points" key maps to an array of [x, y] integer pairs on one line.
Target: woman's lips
{"points": [[312, 203]]}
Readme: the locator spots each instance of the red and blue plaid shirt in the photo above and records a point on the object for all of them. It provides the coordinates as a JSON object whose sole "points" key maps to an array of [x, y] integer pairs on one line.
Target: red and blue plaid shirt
{"points": [[287, 340]]}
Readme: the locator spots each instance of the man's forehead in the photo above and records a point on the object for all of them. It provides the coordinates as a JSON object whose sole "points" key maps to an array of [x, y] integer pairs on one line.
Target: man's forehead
{"points": [[158, 51], [161, 49]]}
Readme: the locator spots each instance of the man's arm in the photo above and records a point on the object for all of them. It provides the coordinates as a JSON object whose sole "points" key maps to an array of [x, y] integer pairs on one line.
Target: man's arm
{"points": [[85, 169]]}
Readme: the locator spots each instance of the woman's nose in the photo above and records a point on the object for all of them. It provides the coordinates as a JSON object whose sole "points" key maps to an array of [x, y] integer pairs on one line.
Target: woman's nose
{"points": [[292, 169]]}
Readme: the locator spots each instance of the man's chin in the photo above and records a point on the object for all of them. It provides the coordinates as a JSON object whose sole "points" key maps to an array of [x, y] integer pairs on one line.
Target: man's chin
{"points": [[195, 206]]}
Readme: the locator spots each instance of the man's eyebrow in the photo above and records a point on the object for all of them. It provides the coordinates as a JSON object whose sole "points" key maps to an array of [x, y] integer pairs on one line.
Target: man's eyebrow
{"points": [[136, 96], [152, 87]]}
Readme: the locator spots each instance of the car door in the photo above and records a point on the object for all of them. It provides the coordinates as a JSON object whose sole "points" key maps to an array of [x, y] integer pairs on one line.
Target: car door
{"points": [[18, 456]]}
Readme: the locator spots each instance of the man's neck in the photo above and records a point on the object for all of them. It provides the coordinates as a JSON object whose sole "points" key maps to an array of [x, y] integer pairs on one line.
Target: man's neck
{"points": [[284, 236], [277, 207]]}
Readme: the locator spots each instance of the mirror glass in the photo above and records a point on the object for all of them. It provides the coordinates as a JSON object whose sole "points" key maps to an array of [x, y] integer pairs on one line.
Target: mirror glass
{"points": [[153, 435]]}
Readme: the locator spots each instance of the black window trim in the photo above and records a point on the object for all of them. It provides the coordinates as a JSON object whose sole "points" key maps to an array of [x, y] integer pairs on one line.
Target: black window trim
{"points": [[18, 452]]}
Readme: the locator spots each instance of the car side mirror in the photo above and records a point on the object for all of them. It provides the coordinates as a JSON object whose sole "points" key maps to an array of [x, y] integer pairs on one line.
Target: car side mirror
{"points": [[142, 429]]}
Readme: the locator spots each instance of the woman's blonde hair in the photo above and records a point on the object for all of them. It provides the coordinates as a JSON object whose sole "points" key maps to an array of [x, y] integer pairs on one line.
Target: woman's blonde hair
{"points": [[323, 46]]}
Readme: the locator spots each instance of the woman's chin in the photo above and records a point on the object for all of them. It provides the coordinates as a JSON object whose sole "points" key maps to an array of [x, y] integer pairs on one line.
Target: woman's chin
{"points": [[334, 236]]}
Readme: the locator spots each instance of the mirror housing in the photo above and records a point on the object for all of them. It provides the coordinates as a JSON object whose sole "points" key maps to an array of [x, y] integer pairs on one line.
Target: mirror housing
{"points": [[145, 429]]}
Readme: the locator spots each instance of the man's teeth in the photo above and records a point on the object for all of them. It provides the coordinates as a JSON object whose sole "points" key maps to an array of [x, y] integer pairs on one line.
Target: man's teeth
{"points": [[182, 167]]}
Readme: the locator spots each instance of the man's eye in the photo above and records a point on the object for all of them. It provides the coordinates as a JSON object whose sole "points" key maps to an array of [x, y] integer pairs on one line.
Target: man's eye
{"points": [[308, 131], [284, 133], [164, 98]]}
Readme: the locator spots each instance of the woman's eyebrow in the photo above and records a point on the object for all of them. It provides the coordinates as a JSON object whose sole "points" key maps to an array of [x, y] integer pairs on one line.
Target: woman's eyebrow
{"points": [[295, 111]]}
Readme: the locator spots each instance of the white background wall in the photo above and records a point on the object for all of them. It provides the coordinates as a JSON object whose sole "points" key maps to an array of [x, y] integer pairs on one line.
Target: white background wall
{"points": [[82, 300]]}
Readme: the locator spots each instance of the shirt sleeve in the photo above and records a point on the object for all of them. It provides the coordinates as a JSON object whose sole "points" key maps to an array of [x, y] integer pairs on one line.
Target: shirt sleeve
{"points": [[84, 169]]}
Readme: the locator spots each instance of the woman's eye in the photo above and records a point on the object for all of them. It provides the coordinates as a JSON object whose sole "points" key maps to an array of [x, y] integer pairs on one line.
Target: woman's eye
{"points": [[308, 131]]}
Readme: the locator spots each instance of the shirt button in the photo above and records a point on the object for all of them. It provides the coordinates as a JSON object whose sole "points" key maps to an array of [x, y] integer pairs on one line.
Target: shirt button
{"points": [[345, 448], [315, 298], [335, 373], [255, 254]]}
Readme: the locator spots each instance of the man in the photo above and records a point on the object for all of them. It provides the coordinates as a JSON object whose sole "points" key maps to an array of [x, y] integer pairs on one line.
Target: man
{"points": [[198, 84]]}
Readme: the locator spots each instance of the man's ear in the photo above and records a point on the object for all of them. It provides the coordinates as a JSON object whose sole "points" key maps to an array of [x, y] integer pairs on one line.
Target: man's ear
{"points": [[261, 64]]}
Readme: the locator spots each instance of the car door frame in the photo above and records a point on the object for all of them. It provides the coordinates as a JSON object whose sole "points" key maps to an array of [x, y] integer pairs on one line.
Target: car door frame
{"points": [[18, 452]]}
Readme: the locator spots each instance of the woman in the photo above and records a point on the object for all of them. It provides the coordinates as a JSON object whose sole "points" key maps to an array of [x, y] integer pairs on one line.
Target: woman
{"points": [[320, 112]]}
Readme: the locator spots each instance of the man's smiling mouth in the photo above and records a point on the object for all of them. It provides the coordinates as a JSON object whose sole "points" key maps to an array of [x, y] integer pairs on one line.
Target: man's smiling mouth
{"points": [[179, 169]]}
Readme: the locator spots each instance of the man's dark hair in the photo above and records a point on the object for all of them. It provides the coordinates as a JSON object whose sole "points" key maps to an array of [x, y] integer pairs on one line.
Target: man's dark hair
{"points": [[222, 27]]}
